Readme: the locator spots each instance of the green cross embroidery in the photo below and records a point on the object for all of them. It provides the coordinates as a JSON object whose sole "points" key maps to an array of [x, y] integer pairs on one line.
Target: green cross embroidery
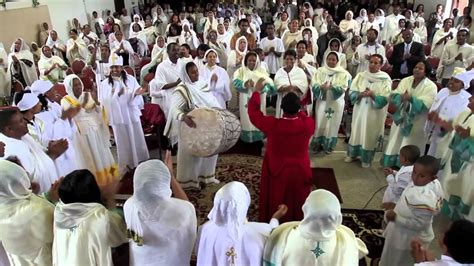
{"points": [[329, 113], [317, 251]]}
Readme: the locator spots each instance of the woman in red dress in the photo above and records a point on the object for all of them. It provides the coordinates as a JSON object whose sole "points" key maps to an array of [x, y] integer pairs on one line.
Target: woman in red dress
{"points": [[286, 170]]}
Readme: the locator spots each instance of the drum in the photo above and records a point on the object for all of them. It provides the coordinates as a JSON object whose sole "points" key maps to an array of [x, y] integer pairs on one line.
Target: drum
{"points": [[216, 131]]}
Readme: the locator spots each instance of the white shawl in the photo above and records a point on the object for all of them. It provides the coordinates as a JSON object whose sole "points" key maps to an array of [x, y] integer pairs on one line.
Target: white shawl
{"points": [[22, 214], [29, 72], [45, 64], [82, 52], [229, 231]]}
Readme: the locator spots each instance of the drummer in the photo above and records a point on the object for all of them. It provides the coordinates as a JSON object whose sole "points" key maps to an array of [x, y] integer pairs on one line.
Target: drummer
{"points": [[191, 93]]}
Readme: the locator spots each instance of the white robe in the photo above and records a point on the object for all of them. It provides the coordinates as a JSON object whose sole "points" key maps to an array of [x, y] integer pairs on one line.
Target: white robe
{"points": [[33, 158], [369, 115], [296, 77], [415, 211], [274, 63], [221, 88], [437, 49], [5, 78], [166, 72], [448, 106], [390, 27], [413, 114], [162, 229], [213, 243], [191, 169], [76, 49], [20, 221], [54, 75], [124, 113], [28, 72], [362, 50], [397, 183], [84, 234], [66, 162], [329, 105]]}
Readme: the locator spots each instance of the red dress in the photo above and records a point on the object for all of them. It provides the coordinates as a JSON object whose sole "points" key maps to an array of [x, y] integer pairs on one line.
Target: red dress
{"points": [[286, 170]]}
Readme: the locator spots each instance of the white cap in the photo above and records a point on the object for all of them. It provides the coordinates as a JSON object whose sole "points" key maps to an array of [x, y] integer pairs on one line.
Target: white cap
{"points": [[41, 86], [28, 101], [115, 60], [465, 77]]}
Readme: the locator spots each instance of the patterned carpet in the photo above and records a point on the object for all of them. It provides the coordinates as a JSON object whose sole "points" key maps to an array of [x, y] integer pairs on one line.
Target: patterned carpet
{"points": [[366, 224]]}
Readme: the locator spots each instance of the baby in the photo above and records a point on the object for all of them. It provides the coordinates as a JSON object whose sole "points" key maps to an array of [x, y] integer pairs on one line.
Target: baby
{"points": [[399, 180], [413, 214]]}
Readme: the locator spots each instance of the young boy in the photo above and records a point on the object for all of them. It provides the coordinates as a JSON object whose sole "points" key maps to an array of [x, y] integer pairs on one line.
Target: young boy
{"points": [[413, 214], [399, 180], [456, 246]]}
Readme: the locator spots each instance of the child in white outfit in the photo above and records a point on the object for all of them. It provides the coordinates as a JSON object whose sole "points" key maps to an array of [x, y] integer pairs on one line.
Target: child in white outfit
{"points": [[399, 180], [413, 214]]}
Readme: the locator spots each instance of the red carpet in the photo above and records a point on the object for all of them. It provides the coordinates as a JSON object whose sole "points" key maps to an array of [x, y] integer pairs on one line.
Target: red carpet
{"points": [[325, 178]]}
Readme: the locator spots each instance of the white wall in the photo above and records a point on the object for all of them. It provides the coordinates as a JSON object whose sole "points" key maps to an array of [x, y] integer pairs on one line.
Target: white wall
{"points": [[63, 11]]}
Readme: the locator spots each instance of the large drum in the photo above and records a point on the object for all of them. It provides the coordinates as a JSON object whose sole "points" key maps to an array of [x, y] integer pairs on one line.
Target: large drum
{"points": [[216, 131]]}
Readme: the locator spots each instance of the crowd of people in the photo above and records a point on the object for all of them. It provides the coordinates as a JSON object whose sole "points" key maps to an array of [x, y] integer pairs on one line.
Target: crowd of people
{"points": [[325, 68]]}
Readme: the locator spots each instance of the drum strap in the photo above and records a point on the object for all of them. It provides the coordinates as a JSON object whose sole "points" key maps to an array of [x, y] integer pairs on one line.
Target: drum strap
{"points": [[185, 93]]}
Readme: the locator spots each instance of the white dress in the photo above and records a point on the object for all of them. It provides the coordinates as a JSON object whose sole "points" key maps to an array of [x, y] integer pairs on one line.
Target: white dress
{"points": [[66, 162], [123, 113], [221, 88]]}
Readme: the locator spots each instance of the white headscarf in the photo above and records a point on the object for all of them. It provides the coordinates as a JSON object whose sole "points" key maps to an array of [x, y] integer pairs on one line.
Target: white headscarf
{"points": [[183, 38], [199, 90], [67, 216], [362, 17], [225, 37], [380, 19], [340, 55], [140, 21], [14, 184], [23, 47], [151, 190], [345, 25], [231, 204], [322, 216], [237, 46], [50, 42], [27, 217], [158, 53], [69, 83]]}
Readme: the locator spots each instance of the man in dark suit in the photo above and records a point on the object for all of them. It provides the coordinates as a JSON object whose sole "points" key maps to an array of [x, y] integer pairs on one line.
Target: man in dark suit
{"points": [[406, 55]]}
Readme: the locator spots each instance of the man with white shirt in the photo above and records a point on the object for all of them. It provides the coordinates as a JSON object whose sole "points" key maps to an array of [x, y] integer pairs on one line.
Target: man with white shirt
{"points": [[166, 78], [365, 50], [391, 24], [454, 55], [34, 158], [273, 48]]}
